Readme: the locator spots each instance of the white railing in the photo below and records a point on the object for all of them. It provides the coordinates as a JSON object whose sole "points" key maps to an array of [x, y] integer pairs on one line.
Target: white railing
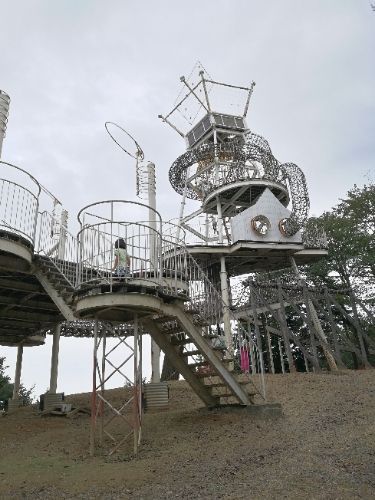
{"points": [[98, 245], [203, 230], [160, 261], [205, 302], [61, 247], [104, 231], [18, 203]]}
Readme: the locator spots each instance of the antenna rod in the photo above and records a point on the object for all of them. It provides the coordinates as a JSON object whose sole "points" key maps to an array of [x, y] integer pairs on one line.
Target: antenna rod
{"points": [[205, 90], [227, 85], [183, 80], [180, 102], [171, 125], [248, 99]]}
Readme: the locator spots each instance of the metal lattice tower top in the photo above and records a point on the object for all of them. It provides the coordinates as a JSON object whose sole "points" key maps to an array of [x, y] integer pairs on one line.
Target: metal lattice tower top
{"points": [[225, 162]]}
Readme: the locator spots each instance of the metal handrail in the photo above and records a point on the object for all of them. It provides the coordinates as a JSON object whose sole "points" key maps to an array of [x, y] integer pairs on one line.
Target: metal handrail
{"points": [[25, 172], [168, 267], [62, 251], [82, 211], [18, 209]]}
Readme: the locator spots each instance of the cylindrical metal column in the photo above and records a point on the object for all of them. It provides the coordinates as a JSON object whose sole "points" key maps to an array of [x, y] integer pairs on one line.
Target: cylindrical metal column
{"points": [[272, 366], [224, 284], [17, 375], [225, 297], [93, 394], [4, 112], [136, 387], [151, 189], [55, 360], [281, 356]]}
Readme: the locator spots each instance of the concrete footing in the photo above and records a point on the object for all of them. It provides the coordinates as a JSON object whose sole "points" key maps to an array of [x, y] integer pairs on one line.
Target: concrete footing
{"points": [[51, 400], [263, 410], [13, 404]]}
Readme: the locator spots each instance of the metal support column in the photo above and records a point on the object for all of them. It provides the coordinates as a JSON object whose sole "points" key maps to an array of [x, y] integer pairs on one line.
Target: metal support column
{"points": [[272, 366], [151, 189], [114, 423], [315, 320], [321, 335], [252, 353], [257, 332], [284, 330], [55, 359], [334, 330], [224, 285], [281, 356], [17, 375], [358, 327]]}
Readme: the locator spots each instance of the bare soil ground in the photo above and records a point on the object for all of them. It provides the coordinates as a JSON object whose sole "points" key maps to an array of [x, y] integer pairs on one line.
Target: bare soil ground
{"points": [[323, 447]]}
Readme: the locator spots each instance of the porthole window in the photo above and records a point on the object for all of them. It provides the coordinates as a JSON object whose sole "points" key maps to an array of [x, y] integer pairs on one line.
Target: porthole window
{"points": [[282, 226], [260, 224]]}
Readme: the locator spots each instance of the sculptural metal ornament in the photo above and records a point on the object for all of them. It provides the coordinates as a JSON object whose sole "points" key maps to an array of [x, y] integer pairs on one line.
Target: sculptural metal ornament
{"points": [[239, 154]]}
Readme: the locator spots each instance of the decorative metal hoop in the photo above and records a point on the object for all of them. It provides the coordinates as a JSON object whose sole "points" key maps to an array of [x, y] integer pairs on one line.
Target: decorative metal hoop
{"points": [[139, 154]]}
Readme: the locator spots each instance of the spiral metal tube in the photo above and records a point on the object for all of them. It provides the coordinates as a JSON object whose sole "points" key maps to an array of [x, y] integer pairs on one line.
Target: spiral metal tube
{"points": [[4, 111]]}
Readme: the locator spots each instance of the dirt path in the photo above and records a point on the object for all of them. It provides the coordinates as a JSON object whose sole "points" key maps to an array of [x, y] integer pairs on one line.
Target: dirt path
{"points": [[322, 448]]}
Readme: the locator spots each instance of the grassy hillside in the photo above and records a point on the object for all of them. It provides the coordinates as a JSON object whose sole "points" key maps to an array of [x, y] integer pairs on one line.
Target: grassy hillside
{"points": [[322, 448]]}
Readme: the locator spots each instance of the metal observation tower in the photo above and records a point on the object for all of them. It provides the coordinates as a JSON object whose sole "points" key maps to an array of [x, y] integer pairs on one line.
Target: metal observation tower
{"points": [[213, 289], [242, 223]]}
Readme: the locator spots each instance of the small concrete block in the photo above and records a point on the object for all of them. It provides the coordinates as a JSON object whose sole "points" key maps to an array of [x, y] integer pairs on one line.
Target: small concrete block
{"points": [[265, 409], [64, 407], [14, 404]]}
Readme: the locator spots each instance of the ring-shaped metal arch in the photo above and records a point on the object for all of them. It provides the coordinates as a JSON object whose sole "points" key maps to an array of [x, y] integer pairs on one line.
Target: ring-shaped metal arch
{"points": [[118, 201], [140, 154], [39, 186]]}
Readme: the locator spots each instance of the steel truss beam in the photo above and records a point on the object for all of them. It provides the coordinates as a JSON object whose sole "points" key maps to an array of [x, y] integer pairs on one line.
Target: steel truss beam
{"points": [[114, 423]]}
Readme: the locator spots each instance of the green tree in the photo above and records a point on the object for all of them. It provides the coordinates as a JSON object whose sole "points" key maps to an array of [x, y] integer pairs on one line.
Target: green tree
{"points": [[350, 230], [6, 388], [350, 264]]}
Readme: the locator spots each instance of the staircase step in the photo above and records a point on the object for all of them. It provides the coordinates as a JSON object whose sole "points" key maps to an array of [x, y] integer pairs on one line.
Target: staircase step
{"points": [[173, 331], [213, 381], [182, 341], [217, 384], [206, 375], [224, 391], [229, 400], [164, 319], [251, 391], [58, 281], [199, 363], [191, 353], [224, 394]]}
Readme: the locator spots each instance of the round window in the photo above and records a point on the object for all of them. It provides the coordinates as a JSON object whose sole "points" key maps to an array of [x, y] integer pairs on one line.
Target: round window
{"points": [[282, 226], [260, 224]]}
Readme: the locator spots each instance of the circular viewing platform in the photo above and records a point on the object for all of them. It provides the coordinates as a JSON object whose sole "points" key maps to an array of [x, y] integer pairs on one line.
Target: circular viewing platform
{"points": [[242, 194], [126, 266], [16, 251]]}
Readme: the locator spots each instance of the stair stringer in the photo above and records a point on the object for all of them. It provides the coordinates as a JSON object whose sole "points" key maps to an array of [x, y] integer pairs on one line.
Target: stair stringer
{"points": [[58, 300], [192, 331], [209, 354], [197, 385]]}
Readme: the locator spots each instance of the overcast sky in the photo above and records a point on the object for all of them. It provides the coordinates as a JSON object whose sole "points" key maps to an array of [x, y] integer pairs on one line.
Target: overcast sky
{"points": [[71, 65]]}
